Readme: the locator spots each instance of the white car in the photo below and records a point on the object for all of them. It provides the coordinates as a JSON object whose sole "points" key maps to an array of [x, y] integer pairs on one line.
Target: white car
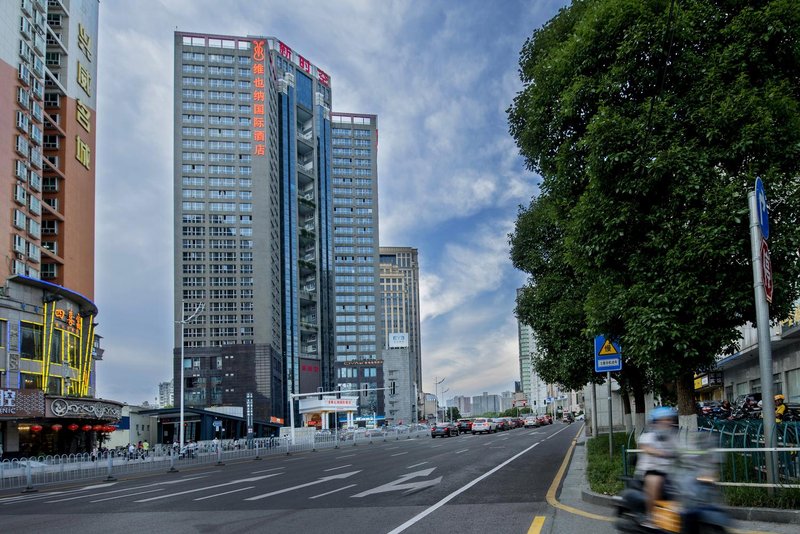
{"points": [[531, 422], [482, 424]]}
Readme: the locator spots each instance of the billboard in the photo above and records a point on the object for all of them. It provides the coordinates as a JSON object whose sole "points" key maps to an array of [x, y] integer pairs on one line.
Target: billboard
{"points": [[398, 340]]}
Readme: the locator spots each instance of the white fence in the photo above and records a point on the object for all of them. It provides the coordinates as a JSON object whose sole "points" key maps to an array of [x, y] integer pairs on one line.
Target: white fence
{"points": [[28, 473]]}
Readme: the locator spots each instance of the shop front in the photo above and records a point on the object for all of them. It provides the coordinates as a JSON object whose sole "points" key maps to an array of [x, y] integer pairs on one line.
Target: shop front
{"points": [[317, 412], [35, 424]]}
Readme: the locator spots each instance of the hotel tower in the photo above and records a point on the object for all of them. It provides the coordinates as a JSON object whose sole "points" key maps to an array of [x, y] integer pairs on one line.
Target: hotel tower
{"points": [[252, 225]]}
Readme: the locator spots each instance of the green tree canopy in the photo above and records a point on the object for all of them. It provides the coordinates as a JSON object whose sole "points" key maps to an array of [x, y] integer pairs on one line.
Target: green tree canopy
{"points": [[648, 123]]}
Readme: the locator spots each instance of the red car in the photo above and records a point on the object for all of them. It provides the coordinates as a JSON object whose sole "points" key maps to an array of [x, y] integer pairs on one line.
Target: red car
{"points": [[464, 425]]}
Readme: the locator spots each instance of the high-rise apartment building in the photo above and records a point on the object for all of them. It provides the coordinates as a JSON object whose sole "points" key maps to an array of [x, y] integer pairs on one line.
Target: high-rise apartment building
{"points": [[48, 347], [166, 394], [359, 338], [252, 226], [399, 272], [534, 388]]}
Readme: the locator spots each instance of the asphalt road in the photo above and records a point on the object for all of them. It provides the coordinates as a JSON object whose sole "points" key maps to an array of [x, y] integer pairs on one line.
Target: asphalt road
{"points": [[468, 483]]}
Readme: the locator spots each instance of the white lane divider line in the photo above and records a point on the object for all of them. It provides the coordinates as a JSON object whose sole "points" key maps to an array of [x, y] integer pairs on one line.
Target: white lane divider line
{"points": [[399, 453], [462, 450], [458, 492], [345, 456], [266, 470], [333, 491], [416, 465], [223, 493], [127, 495], [340, 467]]}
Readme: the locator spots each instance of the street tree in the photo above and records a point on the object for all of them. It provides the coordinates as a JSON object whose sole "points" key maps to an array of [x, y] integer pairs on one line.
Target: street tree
{"points": [[648, 123]]}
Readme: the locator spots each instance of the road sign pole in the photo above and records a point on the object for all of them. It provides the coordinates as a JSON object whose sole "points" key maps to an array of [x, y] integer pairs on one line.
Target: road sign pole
{"points": [[610, 420], [762, 325]]}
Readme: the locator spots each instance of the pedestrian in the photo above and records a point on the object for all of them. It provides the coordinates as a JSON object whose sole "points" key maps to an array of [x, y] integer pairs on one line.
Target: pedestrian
{"points": [[131, 451], [215, 444], [146, 448], [94, 453], [780, 408], [236, 444], [1, 452]]}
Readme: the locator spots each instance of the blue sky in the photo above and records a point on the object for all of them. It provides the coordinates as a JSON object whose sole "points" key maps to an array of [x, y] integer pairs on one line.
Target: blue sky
{"points": [[439, 75]]}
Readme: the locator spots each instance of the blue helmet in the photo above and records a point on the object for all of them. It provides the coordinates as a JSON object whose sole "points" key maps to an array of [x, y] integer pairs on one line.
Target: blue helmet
{"points": [[663, 412]]}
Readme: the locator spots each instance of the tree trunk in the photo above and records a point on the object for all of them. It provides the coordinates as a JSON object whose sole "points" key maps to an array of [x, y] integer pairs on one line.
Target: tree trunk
{"points": [[636, 382], [686, 410], [626, 411]]}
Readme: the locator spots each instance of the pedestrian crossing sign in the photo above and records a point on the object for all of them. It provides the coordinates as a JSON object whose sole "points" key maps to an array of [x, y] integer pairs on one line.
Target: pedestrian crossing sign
{"points": [[607, 355]]}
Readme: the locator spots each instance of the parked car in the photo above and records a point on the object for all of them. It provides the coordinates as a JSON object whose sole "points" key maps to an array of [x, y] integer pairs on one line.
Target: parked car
{"points": [[444, 429], [532, 422], [482, 424], [464, 425]]}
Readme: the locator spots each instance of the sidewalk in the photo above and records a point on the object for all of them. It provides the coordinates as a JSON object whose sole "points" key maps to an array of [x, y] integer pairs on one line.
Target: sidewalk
{"points": [[575, 493]]}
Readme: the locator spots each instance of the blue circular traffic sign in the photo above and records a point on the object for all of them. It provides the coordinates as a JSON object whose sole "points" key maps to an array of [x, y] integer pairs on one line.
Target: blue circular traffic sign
{"points": [[761, 206]]}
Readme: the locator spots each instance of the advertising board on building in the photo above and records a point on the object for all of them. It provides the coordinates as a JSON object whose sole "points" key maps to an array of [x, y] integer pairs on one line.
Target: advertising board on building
{"points": [[398, 340], [21, 403]]}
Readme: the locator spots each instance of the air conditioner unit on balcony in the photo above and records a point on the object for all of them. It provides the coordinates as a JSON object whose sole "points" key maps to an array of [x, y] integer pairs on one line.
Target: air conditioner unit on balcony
{"points": [[20, 256]]}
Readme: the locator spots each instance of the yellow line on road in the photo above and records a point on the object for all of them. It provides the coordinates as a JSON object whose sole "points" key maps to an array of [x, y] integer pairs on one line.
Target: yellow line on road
{"points": [[536, 526], [551, 493]]}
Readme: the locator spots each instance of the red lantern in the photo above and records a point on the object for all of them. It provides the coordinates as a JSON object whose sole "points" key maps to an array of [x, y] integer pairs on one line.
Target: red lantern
{"points": [[36, 428], [110, 428], [56, 427], [73, 427], [98, 428], [86, 428]]}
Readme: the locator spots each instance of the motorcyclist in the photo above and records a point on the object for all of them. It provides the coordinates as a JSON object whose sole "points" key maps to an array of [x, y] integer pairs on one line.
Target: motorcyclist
{"points": [[780, 408], [659, 446]]}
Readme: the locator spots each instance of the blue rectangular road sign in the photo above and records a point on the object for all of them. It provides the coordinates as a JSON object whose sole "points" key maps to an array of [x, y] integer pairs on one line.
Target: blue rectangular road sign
{"points": [[607, 355]]}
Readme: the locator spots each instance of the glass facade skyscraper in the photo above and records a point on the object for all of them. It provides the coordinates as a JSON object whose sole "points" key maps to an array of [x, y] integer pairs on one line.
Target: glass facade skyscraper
{"points": [[252, 224]]}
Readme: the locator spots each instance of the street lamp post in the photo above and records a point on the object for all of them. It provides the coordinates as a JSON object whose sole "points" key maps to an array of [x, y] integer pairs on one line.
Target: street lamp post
{"points": [[445, 416], [436, 382], [183, 326]]}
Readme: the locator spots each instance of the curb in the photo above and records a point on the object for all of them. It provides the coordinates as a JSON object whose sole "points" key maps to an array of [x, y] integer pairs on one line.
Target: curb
{"points": [[766, 515]]}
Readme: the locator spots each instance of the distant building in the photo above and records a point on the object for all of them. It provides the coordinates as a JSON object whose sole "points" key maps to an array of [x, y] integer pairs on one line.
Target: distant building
{"points": [[400, 322], [464, 405], [486, 403], [166, 394]]}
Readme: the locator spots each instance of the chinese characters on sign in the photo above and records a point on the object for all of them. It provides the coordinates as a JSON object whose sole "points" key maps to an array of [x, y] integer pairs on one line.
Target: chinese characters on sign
{"points": [[83, 152], [304, 64], [73, 320], [259, 100], [83, 115], [324, 79]]}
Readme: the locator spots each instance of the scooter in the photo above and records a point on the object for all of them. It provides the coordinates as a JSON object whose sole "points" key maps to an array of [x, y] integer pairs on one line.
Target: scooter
{"points": [[688, 505]]}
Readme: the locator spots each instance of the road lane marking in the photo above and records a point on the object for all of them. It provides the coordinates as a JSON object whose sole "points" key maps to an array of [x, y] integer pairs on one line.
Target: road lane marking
{"points": [[403, 484], [391, 448], [345, 456], [118, 491], [551, 493], [416, 465], [536, 526], [127, 495], [399, 453], [461, 490], [333, 491], [340, 467], [266, 470], [312, 483], [223, 493], [195, 490], [462, 450]]}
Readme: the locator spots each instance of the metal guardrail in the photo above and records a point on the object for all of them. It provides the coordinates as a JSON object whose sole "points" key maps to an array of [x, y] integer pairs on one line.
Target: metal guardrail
{"points": [[738, 450], [28, 473]]}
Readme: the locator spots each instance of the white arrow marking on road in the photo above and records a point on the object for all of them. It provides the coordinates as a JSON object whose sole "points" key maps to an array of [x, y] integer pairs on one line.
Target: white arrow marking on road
{"points": [[401, 484], [251, 479], [318, 481]]}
